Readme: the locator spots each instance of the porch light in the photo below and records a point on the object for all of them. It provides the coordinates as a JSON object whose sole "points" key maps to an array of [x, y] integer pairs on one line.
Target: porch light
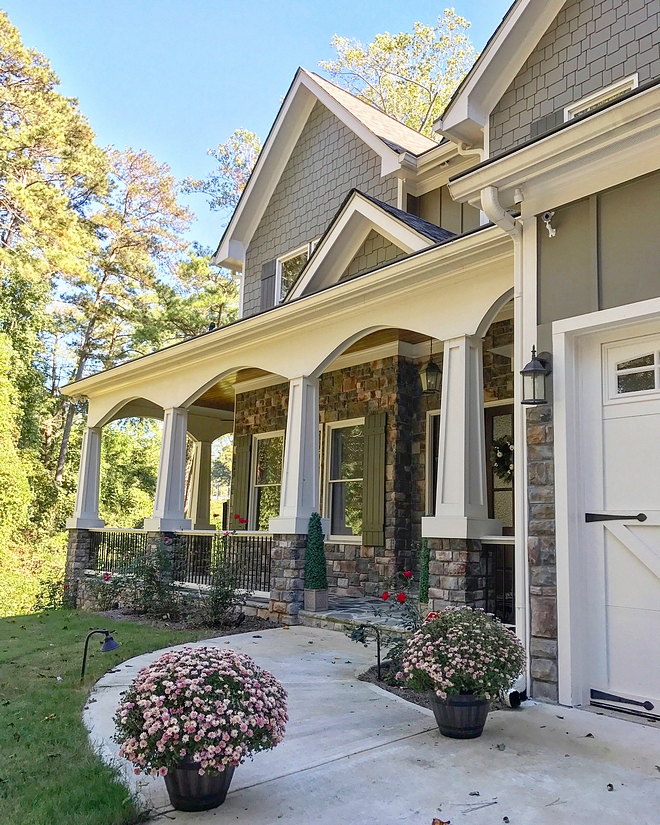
{"points": [[107, 645], [534, 379], [431, 376]]}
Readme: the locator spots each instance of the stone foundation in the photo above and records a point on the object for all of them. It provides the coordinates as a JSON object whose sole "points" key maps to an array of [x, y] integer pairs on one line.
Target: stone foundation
{"points": [[287, 578], [457, 573], [541, 553], [77, 561]]}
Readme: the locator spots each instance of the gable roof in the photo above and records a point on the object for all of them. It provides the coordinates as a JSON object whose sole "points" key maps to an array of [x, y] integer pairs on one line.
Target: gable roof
{"points": [[355, 218], [498, 64], [387, 137]]}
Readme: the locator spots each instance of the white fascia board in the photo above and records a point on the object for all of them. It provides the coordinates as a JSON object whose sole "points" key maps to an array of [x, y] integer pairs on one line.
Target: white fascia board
{"points": [[284, 135], [467, 113], [584, 157], [337, 249], [456, 258]]}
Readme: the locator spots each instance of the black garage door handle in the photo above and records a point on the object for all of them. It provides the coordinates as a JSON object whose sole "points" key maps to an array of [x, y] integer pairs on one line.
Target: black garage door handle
{"points": [[609, 517]]}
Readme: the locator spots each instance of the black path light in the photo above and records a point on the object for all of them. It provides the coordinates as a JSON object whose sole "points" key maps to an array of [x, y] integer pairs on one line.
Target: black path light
{"points": [[107, 645], [534, 378], [431, 375]]}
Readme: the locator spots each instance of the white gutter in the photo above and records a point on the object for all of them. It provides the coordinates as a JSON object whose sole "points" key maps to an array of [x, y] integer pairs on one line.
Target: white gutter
{"points": [[495, 212]]}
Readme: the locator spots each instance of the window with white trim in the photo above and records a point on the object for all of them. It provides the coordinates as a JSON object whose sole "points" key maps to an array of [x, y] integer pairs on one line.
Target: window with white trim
{"points": [[267, 452], [289, 266], [344, 462], [592, 101], [638, 374]]}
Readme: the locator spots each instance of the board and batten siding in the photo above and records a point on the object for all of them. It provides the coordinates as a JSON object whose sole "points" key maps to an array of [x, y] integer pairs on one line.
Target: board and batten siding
{"points": [[240, 482], [589, 45], [373, 485], [326, 163]]}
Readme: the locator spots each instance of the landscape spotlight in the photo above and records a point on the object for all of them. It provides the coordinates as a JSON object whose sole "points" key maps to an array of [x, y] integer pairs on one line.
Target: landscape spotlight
{"points": [[107, 645]]}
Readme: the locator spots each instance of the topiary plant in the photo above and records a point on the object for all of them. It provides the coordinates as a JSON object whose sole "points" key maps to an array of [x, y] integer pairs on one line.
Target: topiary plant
{"points": [[315, 571]]}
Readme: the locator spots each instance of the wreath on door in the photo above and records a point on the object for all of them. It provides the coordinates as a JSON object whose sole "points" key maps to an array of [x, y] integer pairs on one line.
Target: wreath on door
{"points": [[501, 457]]}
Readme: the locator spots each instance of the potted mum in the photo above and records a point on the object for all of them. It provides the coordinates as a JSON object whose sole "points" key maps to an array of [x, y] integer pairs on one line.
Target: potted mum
{"points": [[464, 658], [193, 715]]}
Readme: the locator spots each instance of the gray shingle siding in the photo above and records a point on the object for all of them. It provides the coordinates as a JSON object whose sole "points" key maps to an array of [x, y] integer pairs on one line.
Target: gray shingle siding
{"points": [[328, 160], [375, 251], [590, 44]]}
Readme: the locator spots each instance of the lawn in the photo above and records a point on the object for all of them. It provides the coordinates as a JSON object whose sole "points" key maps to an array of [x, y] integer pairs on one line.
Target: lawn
{"points": [[48, 773]]}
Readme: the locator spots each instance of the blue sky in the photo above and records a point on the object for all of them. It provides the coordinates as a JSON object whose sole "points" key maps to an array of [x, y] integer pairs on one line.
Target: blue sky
{"points": [[176, 77]]}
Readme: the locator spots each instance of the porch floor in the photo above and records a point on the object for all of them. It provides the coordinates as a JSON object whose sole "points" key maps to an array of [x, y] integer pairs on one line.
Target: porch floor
{"points": [[354, 753]]}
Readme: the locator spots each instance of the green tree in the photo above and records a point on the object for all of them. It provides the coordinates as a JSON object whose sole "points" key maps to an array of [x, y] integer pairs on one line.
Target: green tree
{"points": [[315, 564], [139, 226], [235, 161], [410, 75]]}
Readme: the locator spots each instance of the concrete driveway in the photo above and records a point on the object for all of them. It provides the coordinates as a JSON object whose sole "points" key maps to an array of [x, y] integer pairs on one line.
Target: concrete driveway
{"points": [[356, 754]]}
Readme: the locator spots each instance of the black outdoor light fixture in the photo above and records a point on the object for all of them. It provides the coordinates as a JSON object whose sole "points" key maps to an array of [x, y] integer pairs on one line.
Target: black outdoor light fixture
{"points": [[534, 378], [431, 375], [107, 645]]}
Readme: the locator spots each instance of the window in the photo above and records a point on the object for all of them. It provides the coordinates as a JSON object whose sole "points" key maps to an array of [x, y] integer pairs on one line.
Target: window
{"points": [[638, 374], [432, 451], [596, 99], [345, 473], [267, 479], [289, 266]]}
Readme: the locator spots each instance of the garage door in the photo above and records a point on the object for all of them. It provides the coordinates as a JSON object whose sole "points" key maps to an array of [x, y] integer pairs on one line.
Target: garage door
{"points": [[620, 554]]}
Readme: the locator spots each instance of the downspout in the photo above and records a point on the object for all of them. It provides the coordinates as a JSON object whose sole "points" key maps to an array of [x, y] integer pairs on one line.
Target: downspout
{"points": [[495, 212]]}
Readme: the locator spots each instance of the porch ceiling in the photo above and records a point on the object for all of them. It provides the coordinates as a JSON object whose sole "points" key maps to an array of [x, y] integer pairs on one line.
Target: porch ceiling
{"points": [[387, 336], [221, 395]]}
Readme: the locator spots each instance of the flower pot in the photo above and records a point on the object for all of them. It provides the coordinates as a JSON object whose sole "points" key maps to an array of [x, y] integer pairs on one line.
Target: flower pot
{"points": [[460, 717], [316, 601], [189, 791]]}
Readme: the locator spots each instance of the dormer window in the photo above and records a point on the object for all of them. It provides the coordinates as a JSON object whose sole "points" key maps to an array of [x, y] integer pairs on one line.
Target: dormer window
{"points": [[289, 266], [592, 101]]}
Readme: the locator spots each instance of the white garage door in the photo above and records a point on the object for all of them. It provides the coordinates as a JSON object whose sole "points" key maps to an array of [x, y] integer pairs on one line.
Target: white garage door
{"points": [[620, 446]]}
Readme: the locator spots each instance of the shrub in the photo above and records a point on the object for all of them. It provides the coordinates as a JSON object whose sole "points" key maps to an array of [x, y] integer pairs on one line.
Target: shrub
{"points": [[213, 705], [221, 605], [462, 650], [148, 583], [315, 565]]}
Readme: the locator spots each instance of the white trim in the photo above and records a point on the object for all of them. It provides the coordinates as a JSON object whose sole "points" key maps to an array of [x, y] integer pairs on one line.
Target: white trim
{"points": [[567, 338], [252, 499], [327, 514], [294, 253], [626, 84], [338, 247], [496, 68], [501, 402]]}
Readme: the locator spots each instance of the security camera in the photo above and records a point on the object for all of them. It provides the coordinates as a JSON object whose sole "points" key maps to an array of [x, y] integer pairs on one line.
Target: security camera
{"points": [[546, 217]]}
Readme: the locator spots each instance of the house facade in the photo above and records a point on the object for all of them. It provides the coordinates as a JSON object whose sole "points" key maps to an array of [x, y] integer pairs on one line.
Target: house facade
{"points": [[367, 251]]}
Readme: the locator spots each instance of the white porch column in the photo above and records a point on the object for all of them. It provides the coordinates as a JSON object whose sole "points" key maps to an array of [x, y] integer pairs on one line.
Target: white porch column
{"points": [[461, 503], [300, 476], [170, 487], [86, 512], [199, 510]]}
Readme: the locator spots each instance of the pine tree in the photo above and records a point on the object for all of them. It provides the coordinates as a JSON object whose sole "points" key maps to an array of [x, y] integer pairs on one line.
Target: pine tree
{"points": [[315, 572]]}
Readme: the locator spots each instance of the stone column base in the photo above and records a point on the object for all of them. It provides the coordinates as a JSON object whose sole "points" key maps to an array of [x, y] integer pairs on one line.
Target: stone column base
{"points": [[457, 573], [287, 577], [77, 561]]}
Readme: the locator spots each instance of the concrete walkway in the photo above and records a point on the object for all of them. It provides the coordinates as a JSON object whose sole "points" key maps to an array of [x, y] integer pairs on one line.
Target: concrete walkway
{"points": [[356, 755]]}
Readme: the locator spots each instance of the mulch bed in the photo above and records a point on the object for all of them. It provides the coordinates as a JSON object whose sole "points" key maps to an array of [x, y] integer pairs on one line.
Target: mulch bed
{"points": [[405, 693], [247, 625]]}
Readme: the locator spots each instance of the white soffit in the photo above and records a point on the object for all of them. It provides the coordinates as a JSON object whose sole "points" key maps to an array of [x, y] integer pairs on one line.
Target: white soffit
{"points": [[305, 91], [496, 68], [337, 248]]}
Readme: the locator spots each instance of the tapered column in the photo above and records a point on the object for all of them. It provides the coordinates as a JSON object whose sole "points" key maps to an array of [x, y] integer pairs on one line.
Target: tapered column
{"points": [[170, 487], [461, 502], [86, 512], [199, 511], [300, 476]]}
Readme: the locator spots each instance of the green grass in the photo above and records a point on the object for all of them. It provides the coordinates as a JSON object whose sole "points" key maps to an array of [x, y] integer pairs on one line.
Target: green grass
{"points": [[48, 773]]}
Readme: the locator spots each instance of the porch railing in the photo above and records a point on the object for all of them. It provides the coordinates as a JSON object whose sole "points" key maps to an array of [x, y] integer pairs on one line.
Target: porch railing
{"points": [[247, 555]]}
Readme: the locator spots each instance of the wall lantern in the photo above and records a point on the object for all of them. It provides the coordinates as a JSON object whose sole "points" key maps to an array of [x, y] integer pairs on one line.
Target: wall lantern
{"points": [[534, 378], [431, 375]]}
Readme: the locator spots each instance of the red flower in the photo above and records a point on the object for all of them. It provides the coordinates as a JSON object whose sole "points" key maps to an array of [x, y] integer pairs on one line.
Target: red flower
{"points": [[65, 586], [385, 596], [430, 616], [243, 520], [407, 573], [236, 515], [106, 577], [401, 597]]}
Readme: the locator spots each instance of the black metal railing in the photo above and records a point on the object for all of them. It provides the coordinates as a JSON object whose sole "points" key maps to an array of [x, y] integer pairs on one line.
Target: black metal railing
{"points": [[500, 583], [245, 555]]}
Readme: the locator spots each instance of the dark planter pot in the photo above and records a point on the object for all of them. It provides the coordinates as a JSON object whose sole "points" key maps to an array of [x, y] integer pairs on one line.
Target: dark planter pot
{"points": [[191, 792], [460, 717]]}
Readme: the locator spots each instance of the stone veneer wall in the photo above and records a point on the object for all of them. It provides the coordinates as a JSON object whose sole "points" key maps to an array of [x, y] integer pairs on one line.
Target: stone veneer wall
{"points": [[588, 46], [328, 160], [77, 561], [457, 573], [541, 553]]}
